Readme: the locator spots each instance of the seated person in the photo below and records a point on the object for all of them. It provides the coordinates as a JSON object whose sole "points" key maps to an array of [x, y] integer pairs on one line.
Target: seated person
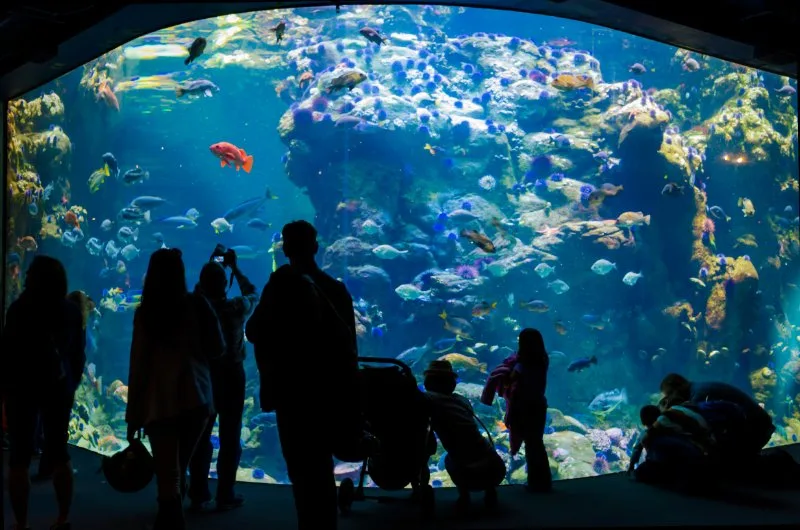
{"points": [[674, 435], [758, 427], [471, 460]]}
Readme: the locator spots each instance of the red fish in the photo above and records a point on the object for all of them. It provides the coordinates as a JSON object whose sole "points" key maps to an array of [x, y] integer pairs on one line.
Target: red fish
{"points": [[230, 155]]}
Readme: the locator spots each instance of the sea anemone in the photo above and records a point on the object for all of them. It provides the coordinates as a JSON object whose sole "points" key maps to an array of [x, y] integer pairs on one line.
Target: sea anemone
{"points": [[423, 129], [381, 115], [579, 59], [513, 44], [319, 104], [486, 97], [458, 105], [410, 63], [468, 272], [708, 225], [302, 118], [397, 66], [601, 466], [430, 86]]}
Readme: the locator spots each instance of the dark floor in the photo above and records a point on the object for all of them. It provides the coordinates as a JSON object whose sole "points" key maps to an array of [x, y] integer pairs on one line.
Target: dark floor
{"points": [[606, 502]]}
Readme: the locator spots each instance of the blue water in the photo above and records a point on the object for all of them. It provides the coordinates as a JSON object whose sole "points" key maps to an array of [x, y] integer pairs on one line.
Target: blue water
{"points": [[557, 110]]}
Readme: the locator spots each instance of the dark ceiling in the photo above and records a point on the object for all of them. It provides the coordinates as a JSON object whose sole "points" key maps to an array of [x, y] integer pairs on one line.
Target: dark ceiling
{"points": [[41, 40]]}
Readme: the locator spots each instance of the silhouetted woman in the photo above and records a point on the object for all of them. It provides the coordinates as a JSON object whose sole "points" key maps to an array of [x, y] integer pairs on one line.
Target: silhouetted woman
{"points": [[531, 375], [41, 363], [175, 334]]}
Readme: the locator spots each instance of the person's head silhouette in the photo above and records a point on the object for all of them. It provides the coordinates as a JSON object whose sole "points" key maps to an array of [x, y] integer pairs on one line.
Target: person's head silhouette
{"points": [[531, 346], [213, 281], [46, 279], [300, 242]]}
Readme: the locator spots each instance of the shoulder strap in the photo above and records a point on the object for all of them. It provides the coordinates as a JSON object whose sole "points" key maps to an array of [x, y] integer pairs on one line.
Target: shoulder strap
{"points": [[327, 300], [489, 434]]}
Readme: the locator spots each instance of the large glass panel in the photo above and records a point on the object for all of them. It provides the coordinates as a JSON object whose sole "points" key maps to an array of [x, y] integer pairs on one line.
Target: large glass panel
{"points": [[471, 173]]}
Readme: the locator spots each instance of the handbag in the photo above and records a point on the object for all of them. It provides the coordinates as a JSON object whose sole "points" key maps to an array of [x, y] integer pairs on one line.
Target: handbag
{"points": [[131, 469]]}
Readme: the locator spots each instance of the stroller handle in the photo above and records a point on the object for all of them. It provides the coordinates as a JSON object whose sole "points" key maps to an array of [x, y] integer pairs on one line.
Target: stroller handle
{"points": [[382, 360]]}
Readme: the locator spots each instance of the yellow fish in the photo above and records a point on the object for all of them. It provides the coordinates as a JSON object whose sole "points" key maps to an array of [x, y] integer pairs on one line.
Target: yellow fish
{"points": [[463, 362], [431, 149], [747, 206]]}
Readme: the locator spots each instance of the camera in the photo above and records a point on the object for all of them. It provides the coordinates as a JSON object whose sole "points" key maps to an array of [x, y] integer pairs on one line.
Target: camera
{"points": [[223, 256]]}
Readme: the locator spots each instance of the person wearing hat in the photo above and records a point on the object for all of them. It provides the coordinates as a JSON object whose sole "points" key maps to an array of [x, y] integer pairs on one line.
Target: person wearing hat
{"points": [[471, 461]]}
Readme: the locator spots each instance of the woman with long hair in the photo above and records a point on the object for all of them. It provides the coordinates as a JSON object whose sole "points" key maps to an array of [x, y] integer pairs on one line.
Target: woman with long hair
{"points": [[175, 335], [41, 363], [532, 372]]}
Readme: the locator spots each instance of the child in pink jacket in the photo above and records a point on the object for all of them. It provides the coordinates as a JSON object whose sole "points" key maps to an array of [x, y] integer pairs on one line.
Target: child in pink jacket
{"points": [[522, 380]]}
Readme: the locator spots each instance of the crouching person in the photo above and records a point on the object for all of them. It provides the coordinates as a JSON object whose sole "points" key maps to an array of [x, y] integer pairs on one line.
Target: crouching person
{"points": [[471, 460]]}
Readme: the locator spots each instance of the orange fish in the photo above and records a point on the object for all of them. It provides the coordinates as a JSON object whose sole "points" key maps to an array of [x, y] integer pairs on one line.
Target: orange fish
{"points": [[28, 243], [561, 329], [107, 95], [230, 155], [572, 82], [71, 219]]}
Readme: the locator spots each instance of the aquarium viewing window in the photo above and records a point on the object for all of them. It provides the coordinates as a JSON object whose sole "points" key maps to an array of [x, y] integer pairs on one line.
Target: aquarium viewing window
{"points": [[470, 172]]}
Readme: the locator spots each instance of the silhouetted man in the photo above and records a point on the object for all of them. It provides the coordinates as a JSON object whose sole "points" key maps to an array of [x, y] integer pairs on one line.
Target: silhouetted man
{"points": [[228, 383], [305, 347]]}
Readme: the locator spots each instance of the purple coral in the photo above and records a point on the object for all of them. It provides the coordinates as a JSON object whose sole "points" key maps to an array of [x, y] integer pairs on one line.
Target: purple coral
{"points": [[600, 440]]}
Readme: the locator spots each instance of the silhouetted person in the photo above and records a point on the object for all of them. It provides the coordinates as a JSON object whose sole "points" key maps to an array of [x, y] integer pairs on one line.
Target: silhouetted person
{"points": [[228, 382], [677, 440], [471, 461], [522, 380], [175, 336], [758, 423], [305, 346], [41, 364], [86, 305], [531, 375]]}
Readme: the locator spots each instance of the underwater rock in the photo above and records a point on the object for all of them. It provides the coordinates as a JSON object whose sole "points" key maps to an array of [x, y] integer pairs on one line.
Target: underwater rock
{"points": [[763, 382], [561, 422], [342, 251], [571, 445], [374, 277]]}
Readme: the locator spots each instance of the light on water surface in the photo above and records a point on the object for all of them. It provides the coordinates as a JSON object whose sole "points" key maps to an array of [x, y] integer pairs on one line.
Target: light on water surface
{"points": [[635, 202]]}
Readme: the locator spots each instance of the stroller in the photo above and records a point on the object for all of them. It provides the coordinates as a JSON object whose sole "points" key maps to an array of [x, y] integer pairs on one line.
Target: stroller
{"points": [[396, 413]]}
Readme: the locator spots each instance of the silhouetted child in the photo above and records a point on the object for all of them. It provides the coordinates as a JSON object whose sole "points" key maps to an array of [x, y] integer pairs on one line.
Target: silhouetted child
{"points": [[471, 461], [674, 435], [522, 380]]}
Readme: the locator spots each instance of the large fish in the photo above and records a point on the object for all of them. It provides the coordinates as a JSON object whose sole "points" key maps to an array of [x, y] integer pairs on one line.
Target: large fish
{"points": [[247, 208]]}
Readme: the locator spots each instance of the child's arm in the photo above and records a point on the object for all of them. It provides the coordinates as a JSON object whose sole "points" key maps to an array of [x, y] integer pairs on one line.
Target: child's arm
{"points": [[637, 451]]}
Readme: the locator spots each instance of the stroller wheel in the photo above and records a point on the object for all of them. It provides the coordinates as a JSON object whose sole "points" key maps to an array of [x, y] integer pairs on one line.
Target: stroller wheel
{"points": [[347, 491], [428, 501]]}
